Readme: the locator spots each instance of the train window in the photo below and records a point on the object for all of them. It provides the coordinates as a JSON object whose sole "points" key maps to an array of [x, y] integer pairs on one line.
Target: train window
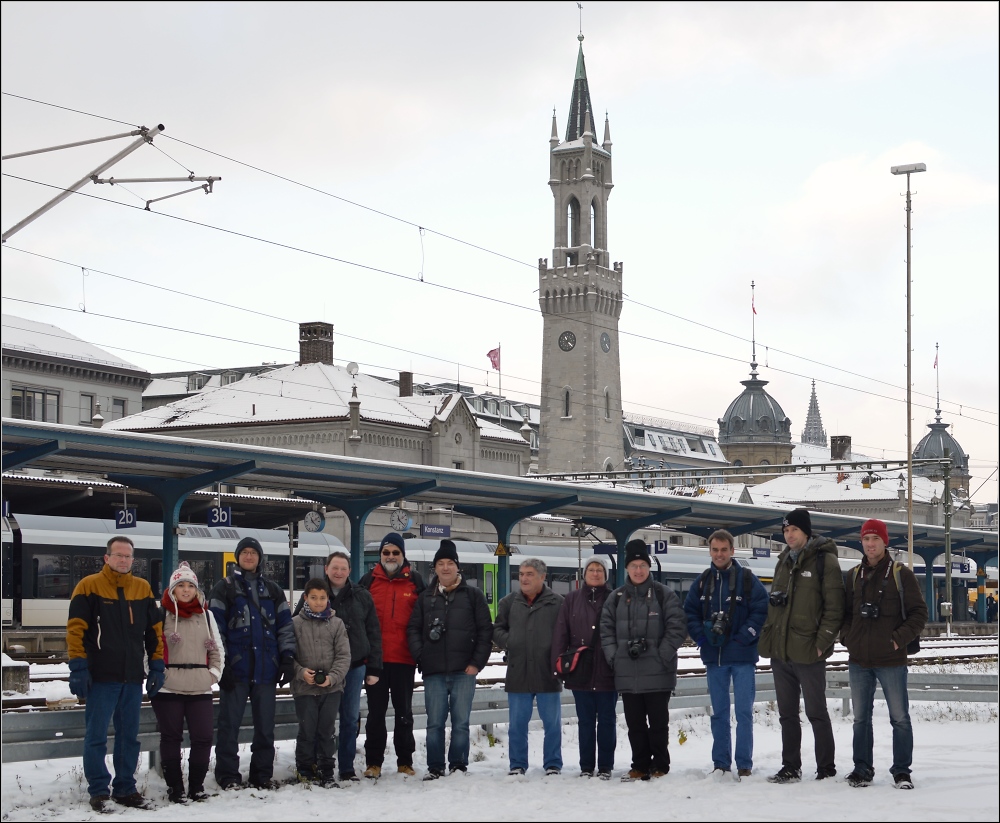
{"points": [[85, 565], [307, 568], [277, 570], [51, 576], [205, 569], [561, 584]]}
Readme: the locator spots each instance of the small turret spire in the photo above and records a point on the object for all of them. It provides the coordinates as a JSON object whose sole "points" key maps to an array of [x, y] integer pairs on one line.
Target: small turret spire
{"points": [[554, 138], [606, 143], [937, 411]]}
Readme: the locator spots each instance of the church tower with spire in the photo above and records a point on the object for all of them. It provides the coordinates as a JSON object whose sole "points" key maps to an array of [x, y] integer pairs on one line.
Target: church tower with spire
{"points": [[580, 297], [814, 434]]}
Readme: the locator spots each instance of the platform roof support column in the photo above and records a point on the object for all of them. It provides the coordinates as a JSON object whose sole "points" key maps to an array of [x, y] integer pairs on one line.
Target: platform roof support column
{"points": [[357, 510], [171, 493], [623, 529], [504, 520], [22, 457]]}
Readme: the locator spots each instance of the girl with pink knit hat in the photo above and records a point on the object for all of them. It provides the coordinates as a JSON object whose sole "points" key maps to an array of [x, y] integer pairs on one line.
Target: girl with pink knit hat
{"points": [[194, 657]]}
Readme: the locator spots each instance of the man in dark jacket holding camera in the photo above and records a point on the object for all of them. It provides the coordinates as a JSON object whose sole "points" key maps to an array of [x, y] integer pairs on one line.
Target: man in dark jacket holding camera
{"points": [[880, 621], [803, 620], [642, 626], [450, 637], [725, 611]]}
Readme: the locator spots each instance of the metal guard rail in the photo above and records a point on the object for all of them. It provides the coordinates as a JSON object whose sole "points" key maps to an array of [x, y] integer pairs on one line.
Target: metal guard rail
{"points": [[48, 735]]}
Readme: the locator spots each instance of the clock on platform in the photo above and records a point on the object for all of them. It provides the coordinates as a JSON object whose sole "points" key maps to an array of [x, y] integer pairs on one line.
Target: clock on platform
{"points": [[314, 521], [399, 520], [567, 340]]}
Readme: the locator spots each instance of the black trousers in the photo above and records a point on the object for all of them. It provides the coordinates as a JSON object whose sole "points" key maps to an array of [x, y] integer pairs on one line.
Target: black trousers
{"points": [[171, 711], [809, 680], [396, 682], [647, 716]]}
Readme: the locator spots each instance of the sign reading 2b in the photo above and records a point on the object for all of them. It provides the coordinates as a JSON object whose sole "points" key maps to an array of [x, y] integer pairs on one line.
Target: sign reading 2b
{"points": [[126, 519], [220, 516]]}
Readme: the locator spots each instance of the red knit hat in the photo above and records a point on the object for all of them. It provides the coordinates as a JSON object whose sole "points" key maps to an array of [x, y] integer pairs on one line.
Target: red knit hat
{"points": [[876, 527]]}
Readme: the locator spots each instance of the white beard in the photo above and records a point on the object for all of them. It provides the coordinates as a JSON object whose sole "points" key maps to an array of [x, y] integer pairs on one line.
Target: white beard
{"points": [[391, 567]]}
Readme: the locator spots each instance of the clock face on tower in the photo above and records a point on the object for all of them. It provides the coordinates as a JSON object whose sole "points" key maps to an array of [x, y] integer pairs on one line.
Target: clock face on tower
{"points": [[567, 340], [606, 342]]}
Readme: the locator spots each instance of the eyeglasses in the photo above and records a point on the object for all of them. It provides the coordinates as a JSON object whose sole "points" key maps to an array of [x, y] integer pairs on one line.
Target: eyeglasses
{"points": [[391, 554], [123, 556]]}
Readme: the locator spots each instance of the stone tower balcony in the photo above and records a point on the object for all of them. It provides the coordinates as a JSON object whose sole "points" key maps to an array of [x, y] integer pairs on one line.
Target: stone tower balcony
{"points": [[580, 288]]}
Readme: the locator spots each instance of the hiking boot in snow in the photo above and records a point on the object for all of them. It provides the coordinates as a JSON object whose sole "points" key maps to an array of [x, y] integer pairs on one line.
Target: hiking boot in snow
{"points": [[102, 803], [858, 780], [407, 770], [373, 772], [823, 774], [903, 781], [786, 774]]}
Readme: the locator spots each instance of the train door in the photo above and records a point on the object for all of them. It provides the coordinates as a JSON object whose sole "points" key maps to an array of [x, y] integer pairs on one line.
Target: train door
{"points": [[228, 563], [490, 587], [11, 578]]}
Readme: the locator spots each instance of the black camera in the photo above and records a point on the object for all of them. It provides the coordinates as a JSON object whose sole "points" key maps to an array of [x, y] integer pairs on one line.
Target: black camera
{"points": [[779, 599], [319, 677], [436, 630], [870, 610], [720, 623], [636, 647]]}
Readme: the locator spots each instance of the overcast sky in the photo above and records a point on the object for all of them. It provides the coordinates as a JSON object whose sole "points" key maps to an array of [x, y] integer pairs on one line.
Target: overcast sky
{"points": [[751, 143]]}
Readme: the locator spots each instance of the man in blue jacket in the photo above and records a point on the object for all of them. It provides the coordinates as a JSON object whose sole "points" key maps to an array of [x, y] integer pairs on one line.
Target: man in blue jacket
{"points": [[725, 611], [257, 631]]}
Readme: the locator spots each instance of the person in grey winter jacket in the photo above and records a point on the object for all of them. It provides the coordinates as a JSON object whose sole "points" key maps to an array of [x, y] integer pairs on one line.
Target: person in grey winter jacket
{"points": [[322, 660], [642, 626], [726, 609], [596, 700], [524, 629], [354, 605]]}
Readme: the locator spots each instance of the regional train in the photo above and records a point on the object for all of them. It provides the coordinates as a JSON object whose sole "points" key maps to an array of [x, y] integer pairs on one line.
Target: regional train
{"points": [[44, 557], [678, 568]]}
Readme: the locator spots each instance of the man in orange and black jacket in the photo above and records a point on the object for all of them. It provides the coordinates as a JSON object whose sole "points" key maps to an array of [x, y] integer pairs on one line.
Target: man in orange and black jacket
{"points": [[114, 626]]}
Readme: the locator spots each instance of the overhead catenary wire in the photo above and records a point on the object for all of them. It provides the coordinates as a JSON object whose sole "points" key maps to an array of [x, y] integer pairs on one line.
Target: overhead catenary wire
{"points": [[423, 229]]}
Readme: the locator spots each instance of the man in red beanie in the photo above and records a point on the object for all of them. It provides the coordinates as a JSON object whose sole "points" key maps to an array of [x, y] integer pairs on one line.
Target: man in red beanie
{"points": [[884, 612]]}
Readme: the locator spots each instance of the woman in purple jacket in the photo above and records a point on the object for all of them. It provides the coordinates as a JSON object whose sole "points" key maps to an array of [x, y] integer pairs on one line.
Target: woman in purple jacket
{"points": [[596, 699]]}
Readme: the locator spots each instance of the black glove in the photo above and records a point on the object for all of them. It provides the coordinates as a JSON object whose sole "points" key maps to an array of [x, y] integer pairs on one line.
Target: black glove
{"points": [[286, 672], [79, 677], [227, 682], [157, 677]]}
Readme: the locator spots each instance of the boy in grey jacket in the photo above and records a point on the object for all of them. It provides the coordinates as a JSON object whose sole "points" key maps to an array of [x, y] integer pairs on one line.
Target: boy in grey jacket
{"points": [[322, 660]]}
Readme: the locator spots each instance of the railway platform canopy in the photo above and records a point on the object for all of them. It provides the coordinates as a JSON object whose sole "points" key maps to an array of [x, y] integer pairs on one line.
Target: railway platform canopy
{"points": [[175, 471]]}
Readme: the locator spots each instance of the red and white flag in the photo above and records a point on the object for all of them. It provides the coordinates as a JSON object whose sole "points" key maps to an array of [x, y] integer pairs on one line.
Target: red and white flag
{"points": [[935, 361], [494, 356], [752, 306]]}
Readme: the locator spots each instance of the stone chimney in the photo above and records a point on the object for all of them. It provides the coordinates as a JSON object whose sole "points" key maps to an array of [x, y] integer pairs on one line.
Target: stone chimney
{"points": [[316, 343], [840, 447], [406, 384]]}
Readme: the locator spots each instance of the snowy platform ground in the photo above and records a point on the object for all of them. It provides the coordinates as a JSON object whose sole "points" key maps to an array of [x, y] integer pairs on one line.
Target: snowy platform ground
{"points": [[955, 770]]}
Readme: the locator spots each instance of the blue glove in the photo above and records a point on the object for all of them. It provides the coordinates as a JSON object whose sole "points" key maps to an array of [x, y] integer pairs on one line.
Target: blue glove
{"points": [[79, 677], [286, 672], [156, 678]]}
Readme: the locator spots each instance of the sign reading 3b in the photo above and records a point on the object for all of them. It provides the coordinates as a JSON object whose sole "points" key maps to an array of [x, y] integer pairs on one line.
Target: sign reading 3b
{"points": [[220, 516]]}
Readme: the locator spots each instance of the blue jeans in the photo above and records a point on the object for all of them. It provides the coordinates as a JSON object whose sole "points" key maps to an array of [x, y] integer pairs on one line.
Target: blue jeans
{"points": [[350, 718], [744, 681], [106, 702], [596, 712], [893, 681], [550, 711], [446, 694], [232, 705]]}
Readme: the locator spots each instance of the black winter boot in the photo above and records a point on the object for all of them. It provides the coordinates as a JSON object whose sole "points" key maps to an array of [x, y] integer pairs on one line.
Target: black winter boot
{"points": [[196, 781], [175, 780]]}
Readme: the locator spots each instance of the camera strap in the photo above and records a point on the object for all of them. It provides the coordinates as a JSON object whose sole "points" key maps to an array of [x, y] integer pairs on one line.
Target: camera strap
{"points": [[881, 583], [707, 585]]}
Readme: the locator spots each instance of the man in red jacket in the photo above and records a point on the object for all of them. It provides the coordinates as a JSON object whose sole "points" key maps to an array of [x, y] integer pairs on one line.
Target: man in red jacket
{"points": [[394, 588]]}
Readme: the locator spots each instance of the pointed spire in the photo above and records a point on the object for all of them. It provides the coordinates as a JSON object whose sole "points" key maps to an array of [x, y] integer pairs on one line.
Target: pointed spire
{"points": [[554, 138], [814, 433], [579, 105], [606, 143], [937, 410]]}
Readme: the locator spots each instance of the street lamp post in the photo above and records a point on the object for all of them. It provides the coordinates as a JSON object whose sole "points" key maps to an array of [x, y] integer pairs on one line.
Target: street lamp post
{"points": [[908, 169]]}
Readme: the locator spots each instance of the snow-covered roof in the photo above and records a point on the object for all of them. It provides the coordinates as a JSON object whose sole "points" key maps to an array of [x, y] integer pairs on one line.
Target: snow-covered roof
{"points": [[32, 337], [166, 387], [814, 487], [298, 393], [809, 453]]}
